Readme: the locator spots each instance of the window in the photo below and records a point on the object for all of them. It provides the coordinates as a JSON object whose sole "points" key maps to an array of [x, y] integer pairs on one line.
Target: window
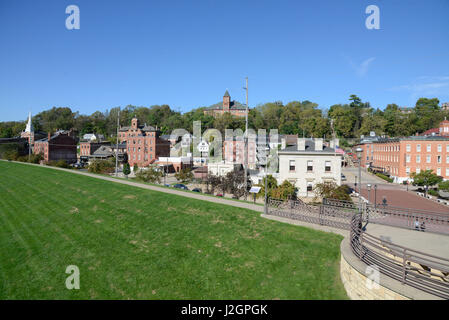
{"points": [[447, 159], [292, 165], [327, 166], [429, 148], [418, 170], [309, 165], [408, 148], [439, 171], [309, 186], [447, 148], [439, 159], [428, 158], [418, 159], [407, 170], [418, 148], [447, 172], [439, 148], [407, 158]]}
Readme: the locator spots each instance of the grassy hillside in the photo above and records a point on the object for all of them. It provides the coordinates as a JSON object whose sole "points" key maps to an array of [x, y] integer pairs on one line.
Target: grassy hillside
{"points": [[131, 243]]}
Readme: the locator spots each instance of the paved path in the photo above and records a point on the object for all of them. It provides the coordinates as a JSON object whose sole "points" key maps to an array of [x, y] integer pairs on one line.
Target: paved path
{"points": [[396, 194], [430, 243]]}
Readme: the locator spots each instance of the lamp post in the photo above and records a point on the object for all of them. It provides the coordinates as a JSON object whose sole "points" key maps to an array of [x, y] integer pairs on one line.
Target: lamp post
{"points": [[265, 207], [375, 196], [359, 156], [369, 192]]}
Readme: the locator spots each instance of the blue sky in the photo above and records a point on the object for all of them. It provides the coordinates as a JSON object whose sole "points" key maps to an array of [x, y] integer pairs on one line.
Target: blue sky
{"points": [[187, 53]]}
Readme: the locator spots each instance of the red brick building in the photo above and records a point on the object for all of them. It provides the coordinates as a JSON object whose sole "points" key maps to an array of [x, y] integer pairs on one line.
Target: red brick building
{"points": [[399, 157], [143, 144], [60, 146], [227, 105], [87, 148]]}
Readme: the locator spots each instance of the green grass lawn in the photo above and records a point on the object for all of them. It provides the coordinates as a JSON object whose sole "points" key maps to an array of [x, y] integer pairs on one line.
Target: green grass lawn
{"points": [[131, 243]]}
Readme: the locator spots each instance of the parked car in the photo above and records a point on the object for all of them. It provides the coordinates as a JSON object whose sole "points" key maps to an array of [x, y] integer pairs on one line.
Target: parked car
{"points": [[343, 177], [219, 195], [180, 186], [167, 185], [196, 190]]}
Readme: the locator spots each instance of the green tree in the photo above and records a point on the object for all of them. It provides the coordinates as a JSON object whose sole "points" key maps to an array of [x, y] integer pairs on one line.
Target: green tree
{"points": [[150, 174], [444, 186], [126, 169], [425, 179], [284, 191], [184, 175]]}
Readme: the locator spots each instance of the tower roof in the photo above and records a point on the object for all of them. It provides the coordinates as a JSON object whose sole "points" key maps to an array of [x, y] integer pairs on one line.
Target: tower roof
{"points": [[226, 94], [29, 127]]}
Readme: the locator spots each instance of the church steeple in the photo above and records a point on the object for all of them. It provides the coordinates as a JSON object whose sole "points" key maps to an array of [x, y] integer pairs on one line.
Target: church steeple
{"points": [[29, 128]]}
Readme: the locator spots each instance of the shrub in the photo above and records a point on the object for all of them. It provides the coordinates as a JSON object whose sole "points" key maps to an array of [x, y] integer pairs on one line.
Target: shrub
{"points": [[149, 175], [59, 163], [433, 192], [184, 175], [382, 176], [102, 166]]}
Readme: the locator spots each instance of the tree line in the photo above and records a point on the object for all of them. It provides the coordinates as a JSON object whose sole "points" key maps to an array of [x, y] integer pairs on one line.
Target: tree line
{"points": [[297, 117]]}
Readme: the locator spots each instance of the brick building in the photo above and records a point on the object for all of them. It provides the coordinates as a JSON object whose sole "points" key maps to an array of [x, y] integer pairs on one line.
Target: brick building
{"points": [[87, 148], [399, 157], [60, 146], [143, 143], [227, 105]]}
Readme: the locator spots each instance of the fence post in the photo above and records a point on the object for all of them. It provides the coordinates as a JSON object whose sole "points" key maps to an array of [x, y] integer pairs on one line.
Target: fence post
{"points": [[403, 266]]}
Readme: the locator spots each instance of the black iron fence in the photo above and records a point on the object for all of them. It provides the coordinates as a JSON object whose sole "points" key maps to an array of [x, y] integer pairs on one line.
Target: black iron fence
{"points": [[411, 267], [338, 213]]}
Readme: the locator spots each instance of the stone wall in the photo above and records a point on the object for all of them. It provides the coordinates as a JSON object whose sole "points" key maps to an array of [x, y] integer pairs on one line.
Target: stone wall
{"points": [[356, 285]]}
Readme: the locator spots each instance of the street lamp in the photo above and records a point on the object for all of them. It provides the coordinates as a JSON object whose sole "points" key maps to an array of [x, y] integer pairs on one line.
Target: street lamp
{"points": [[369, 192], [375, 196], [359, 156]]}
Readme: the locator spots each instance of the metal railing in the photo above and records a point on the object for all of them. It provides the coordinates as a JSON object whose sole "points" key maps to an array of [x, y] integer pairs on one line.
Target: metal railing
{"points": [[417, 269]]}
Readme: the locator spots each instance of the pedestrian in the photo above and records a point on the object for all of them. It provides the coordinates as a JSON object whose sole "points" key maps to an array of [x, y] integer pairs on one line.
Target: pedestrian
{"points": [[417, 224], [423, 226]]}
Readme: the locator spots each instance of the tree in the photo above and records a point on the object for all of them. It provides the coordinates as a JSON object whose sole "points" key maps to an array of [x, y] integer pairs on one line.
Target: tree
{"points": [[150, 174], [184, 175], [284, 191], [135, 168], [126, 169], [444, 186], [425, 179], [331, 190], [271, 184], [234, 183]]}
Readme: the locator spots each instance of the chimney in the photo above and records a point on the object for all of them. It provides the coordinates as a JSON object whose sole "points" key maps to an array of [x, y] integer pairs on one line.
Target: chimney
{"points": [[318, 144], [336, 142], [301, 144], [49, 136], [283, 144]]}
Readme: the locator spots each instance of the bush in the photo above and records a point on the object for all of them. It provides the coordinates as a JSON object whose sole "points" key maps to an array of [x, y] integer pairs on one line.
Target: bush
{"points": [[59, 163], [382, 176], [149, 175], [184, 175], [102, 166], [433, 192]]}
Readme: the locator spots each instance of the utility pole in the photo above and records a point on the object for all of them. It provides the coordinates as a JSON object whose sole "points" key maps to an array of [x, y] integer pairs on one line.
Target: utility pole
{"points": [[116, 147], [245, 137]]}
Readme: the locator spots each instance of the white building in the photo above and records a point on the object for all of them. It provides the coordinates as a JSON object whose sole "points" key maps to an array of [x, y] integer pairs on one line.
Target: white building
{"points": [[308, 163]]}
